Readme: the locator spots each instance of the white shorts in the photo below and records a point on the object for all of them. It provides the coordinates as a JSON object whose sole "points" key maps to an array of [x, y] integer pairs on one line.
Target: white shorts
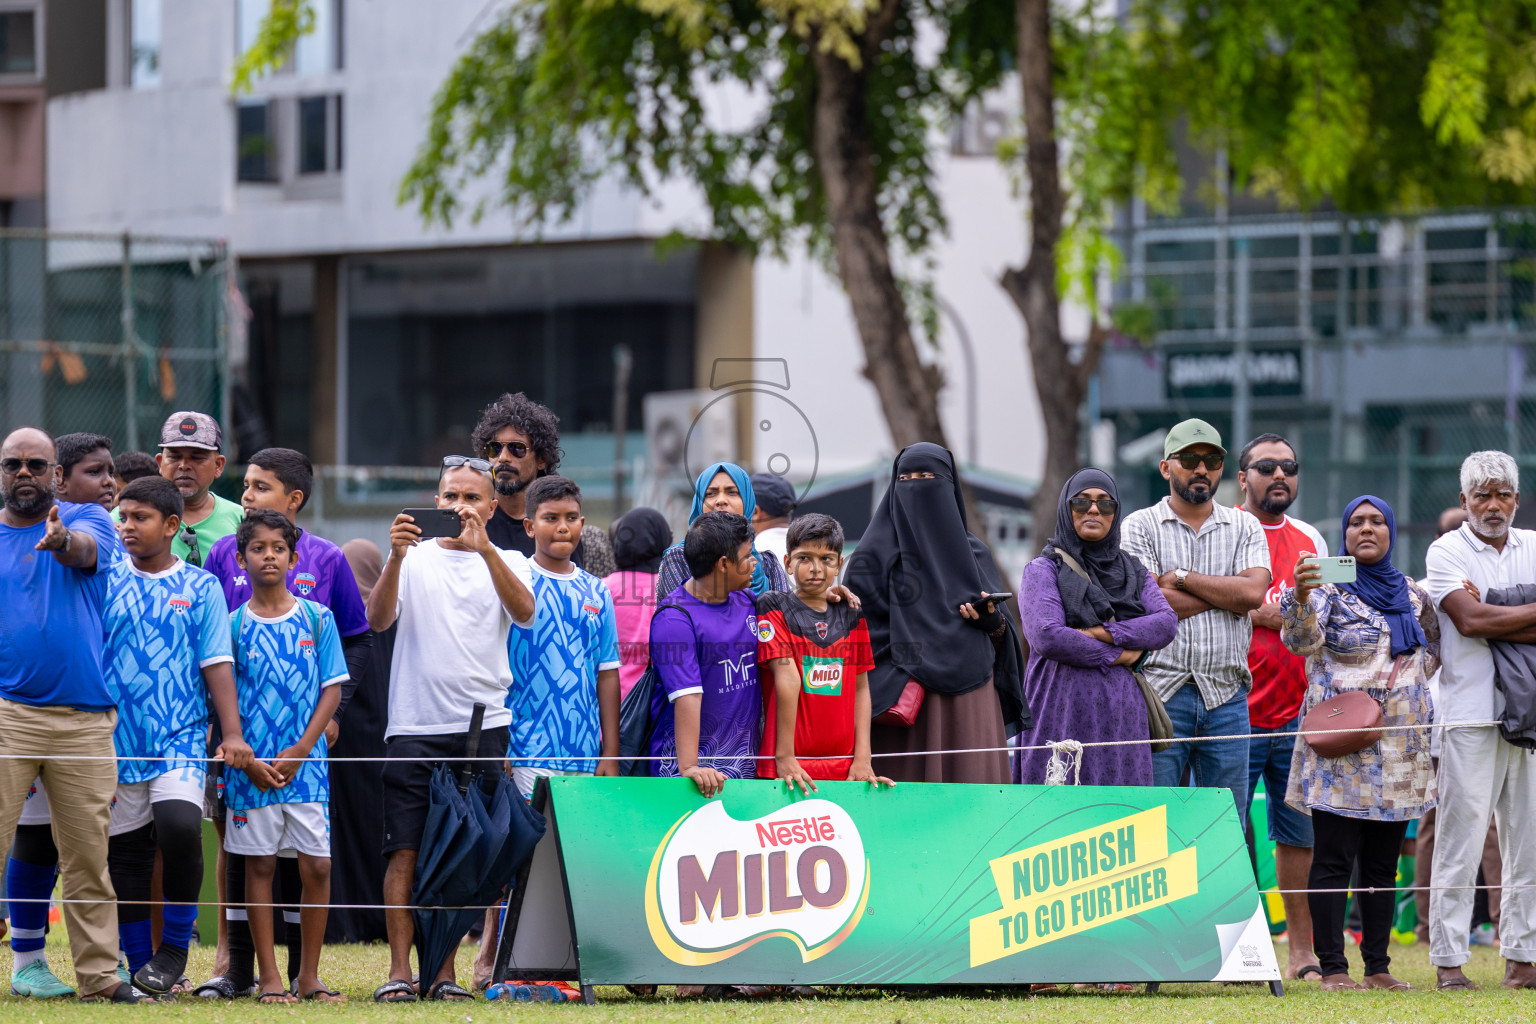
{"points": [[132, 805], [35, 810], [267, 831], [523, 777]]}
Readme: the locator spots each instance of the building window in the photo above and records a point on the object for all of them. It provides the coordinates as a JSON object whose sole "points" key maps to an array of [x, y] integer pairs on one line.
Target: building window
{"points": [[18, 43], [319, 134], [145, 55], [255, 156]]}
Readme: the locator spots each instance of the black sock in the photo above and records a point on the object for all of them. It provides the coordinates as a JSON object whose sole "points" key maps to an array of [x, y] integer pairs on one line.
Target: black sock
{"points": [[242, 949]]}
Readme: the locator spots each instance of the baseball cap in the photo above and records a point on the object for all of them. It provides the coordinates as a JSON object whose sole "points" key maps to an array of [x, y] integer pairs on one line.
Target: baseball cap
{"points": [[1190, 433], [191, 430], [774, 494]]}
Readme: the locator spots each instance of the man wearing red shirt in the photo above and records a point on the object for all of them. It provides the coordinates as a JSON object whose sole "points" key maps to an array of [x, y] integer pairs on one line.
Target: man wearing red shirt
{"points": [[1267, 473]]}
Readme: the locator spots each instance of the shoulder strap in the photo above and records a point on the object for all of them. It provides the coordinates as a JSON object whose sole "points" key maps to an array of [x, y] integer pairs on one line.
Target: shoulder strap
{"points": [[1070, 562], [312, 613]]}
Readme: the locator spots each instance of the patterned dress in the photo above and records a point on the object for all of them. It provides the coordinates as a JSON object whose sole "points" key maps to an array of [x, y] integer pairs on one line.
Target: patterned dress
{"points": [[1075, 689], [1348, 647]]}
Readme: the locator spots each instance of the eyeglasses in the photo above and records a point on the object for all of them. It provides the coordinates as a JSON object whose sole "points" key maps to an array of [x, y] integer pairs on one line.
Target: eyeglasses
{"points": [[188, 536], [1213, 461], [1107, 506], [1267, 467], [455, 461], [37, 467], [517, 449]]}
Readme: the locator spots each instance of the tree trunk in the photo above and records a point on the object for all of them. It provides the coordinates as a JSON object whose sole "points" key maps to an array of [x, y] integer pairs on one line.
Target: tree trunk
{"points": [[1059, 382], [908, 390]]}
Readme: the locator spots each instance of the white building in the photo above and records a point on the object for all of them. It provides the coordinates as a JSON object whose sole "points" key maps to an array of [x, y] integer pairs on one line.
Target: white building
{"points": [[375, 340]]}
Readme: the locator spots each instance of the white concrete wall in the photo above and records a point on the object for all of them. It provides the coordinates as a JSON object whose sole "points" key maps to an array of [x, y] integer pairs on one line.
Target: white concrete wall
{"points": [[162, 160]]}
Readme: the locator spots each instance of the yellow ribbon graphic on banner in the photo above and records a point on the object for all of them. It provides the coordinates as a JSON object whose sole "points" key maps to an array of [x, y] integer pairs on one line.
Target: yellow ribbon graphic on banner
{"points": [[1080, 881]]}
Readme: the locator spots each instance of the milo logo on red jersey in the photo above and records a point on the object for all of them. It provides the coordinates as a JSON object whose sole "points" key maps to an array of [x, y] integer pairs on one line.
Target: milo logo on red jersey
{"points": [[718, 885], [822, 676]]}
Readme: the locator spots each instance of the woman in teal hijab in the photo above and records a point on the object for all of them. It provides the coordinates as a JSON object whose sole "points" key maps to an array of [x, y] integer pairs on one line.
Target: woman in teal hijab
{"points": [[722, 487]]}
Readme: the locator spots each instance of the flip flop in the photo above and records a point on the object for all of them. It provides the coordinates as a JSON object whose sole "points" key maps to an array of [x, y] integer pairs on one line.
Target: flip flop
{"points": [[395, 991], [281, 997], [449, 992], [1301, 974], [1462, 984], [323, 994]]}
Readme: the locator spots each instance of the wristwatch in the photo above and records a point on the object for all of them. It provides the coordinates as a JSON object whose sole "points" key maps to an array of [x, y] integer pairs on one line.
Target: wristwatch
{"points": [[1179, 576]]}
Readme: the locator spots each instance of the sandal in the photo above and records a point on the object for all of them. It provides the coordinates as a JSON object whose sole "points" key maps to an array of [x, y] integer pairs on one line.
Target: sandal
{"points": [[1301, 974], [1386, 983], [281, 997], [218, 987], [449, 992], [122, 993], [1458, 984], [395, 991], [323, 994], [1340, 983]]}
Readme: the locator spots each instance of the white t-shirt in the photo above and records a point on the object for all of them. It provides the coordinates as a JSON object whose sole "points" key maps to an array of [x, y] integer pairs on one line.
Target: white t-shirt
{"points": [[1467, 693], [451, 645], [773, 543]]}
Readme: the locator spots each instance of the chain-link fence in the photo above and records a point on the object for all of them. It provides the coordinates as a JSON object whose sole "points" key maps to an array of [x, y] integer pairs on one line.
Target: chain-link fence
{"points": [[111, 333]]}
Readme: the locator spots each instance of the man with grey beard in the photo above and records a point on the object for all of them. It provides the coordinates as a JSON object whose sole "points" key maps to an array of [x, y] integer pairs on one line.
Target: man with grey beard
{"points": [[55, 706], [1480, 773]]}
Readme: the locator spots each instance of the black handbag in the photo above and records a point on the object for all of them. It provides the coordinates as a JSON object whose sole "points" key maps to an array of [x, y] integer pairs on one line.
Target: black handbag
{"points": [[635, 722]]}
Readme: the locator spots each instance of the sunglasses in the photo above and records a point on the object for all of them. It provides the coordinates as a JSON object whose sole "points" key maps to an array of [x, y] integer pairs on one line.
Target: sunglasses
{"points": [[1107, 506], [517, 449], [455, 461], [188, 536], [37, 467], [1267, 467], [1189, 460]]}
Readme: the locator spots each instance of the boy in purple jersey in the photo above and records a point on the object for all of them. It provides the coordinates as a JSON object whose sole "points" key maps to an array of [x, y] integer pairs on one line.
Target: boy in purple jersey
{"points": [[282, 479], [704, 646]]}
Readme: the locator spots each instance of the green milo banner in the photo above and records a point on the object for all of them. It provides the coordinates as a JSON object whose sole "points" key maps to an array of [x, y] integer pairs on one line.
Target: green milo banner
{"points": [[640, 880]]}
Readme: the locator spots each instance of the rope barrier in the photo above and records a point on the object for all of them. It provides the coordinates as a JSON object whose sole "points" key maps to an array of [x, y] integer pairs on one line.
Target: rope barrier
{"points": [[1052, 746]]}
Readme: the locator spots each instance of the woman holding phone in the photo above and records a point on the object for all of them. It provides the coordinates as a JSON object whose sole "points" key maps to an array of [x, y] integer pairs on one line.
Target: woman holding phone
{"points": [[1378, 634]]}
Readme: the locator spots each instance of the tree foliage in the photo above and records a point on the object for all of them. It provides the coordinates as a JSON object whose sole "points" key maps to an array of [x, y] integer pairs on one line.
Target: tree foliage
{"points": [[559, 94], [279, 31]]}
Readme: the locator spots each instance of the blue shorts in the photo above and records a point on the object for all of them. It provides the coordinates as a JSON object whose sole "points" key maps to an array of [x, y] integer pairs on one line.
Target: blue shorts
{"points": [[1269, 758]]}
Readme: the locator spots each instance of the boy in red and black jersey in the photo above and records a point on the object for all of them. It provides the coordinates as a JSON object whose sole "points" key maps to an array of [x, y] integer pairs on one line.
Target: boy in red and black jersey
{"points": [[814, 657]]}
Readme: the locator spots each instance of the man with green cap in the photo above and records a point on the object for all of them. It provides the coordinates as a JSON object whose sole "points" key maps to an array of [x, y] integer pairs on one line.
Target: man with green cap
{"points": [[1212, 564]]}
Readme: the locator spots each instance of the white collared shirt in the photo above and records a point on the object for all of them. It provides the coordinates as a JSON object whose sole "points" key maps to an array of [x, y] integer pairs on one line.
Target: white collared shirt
{"points": [[1467, 693]]}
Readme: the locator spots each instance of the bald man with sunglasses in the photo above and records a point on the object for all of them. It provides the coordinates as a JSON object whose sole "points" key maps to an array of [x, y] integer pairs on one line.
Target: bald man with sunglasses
{"points": [[1212, 563]]}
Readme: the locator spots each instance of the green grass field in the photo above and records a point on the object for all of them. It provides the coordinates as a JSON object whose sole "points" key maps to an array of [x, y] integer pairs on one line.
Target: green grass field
{"points": [[357, 969]]}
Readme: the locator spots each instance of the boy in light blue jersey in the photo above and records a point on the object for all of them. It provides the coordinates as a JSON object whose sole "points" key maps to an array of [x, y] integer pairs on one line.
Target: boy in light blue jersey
{"points": [[565, 666], [167, 649], [288, 667]]}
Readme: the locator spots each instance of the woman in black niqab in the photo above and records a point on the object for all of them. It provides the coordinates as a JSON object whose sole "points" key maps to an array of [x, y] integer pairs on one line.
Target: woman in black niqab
{"points": [[914, 568]]}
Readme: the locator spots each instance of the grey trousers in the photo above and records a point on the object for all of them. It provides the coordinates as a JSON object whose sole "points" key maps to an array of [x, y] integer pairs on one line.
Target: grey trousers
{"points": [[1481, 775]]}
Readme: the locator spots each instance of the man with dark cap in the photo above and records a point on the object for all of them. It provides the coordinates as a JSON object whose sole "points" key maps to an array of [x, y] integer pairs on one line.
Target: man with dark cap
{"points": [[190, 458], [770, 519]]}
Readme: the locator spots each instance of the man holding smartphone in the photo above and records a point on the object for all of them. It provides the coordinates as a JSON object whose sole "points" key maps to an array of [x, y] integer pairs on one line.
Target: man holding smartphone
{"points": [[1212, 564], [455, 599], [1268, 472]]}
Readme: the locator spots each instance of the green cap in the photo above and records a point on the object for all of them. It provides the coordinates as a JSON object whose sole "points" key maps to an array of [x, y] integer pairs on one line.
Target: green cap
{"points": [[1190, 433]]}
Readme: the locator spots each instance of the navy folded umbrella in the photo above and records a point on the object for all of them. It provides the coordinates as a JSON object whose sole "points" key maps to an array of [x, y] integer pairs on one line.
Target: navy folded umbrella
{"points": [[479, 832]]}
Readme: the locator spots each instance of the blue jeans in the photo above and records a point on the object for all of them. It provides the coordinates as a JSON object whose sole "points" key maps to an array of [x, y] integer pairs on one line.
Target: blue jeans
{"points": [[1269, 758], [1219, 763]]}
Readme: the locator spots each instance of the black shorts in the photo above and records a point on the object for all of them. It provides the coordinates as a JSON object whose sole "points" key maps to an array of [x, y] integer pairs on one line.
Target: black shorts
{"points": [[407, 778]]}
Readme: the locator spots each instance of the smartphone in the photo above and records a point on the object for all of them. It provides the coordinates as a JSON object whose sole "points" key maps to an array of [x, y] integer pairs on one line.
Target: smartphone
{"points": [[438, 522], [1336, 570], [978, 601]]}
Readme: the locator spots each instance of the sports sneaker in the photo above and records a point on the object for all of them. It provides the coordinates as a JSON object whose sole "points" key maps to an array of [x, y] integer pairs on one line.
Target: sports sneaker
{"points": [[37, 981]]}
